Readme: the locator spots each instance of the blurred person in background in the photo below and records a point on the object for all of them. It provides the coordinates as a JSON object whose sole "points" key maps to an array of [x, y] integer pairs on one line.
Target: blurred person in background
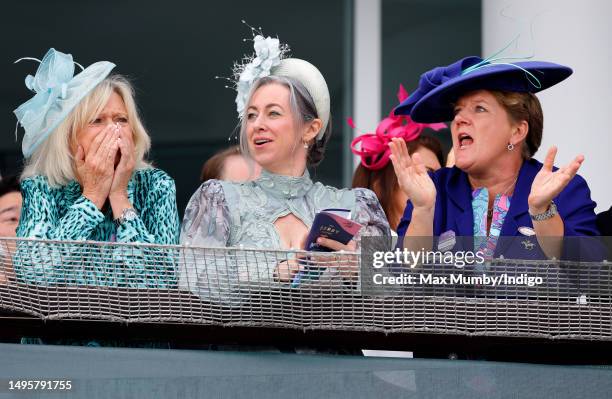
{"points": [[10, 210], [375, 171], [230, 165], [604, 222]]}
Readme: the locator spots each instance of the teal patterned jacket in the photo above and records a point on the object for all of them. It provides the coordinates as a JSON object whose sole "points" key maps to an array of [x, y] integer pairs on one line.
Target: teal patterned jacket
{"points": [[64, 214]]}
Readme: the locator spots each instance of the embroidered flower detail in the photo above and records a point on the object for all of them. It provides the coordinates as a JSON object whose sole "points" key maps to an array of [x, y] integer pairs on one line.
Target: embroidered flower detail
{"points": [[268, 53]]}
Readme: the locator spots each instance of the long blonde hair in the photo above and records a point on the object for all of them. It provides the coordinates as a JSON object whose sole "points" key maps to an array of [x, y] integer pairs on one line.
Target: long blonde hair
{"points": [[53, 158]]}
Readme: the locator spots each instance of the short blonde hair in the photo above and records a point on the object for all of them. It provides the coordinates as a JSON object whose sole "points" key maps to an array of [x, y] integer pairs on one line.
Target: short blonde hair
{"points": [[53, 158]]}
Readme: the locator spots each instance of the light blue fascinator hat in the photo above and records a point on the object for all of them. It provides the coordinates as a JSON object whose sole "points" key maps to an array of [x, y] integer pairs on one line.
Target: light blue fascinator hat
{"points": [[57, 93], [271, 59]]}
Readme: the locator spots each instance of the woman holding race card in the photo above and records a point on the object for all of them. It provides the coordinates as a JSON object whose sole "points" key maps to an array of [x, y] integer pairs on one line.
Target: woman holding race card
{"points": [[283, 104], [496, 188]]}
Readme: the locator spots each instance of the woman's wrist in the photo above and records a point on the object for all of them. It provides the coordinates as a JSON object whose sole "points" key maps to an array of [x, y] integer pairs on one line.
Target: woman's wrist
{"points": [[537, 206], [116, 196], [423, 212], [97, 200], [421, 224], [119, 202]]}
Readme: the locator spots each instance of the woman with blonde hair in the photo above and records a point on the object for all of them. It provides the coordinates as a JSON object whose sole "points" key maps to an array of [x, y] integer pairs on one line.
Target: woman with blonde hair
{"points": [[86, 177]]}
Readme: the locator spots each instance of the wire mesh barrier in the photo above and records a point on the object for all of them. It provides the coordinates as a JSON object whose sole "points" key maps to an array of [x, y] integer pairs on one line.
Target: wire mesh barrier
{"points": [[132, 283]]}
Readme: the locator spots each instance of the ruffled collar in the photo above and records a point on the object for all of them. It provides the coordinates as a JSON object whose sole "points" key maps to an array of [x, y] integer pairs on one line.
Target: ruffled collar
{"points": [[284, 187]]}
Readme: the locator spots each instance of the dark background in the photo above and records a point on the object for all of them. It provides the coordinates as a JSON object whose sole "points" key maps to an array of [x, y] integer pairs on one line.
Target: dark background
{"points": [[172, 50]]}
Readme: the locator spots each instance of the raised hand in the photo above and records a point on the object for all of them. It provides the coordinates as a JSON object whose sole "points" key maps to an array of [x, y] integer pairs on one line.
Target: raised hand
{"points": [[548, 184], [412, 175], [95, 168]]}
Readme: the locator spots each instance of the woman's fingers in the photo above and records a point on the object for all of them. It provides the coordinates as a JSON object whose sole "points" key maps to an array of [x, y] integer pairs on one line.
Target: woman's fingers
{"points": [[397, 167], [111, 147], [114, 142], [127, 148], [286, 269], [113, 153], [332, 244], [100, 152], [418, 163], [80, 156], [396, 158], [99, 139], [407, 168], [549, 161], [572, 168], [126, 135], [450, 159], [403, 152], [397, 145], [352, 245], [123, 149], [395, 152], [547, 184]]}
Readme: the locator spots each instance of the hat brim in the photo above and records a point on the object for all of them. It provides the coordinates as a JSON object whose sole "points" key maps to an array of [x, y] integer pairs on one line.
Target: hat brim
{"points": [[77, 89], [437, 105]]}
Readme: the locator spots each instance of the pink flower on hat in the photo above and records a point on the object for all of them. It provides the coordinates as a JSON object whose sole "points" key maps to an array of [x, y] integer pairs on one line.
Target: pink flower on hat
{"points": [[374, 147]]}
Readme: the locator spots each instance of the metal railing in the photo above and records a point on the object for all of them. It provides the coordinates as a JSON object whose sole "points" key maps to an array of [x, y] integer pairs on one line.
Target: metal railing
{"points": [[131, 283]]}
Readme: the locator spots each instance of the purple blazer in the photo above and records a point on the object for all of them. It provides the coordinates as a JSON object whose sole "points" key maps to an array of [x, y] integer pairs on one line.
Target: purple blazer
{"points": [[453, 211]]}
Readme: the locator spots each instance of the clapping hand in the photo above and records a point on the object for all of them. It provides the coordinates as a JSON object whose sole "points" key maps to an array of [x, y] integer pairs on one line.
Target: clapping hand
{"points": [[548, 184], [412, 175]]}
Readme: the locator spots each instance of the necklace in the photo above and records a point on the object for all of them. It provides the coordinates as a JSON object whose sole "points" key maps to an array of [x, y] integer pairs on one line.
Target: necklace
{"points": [[505, 192]]}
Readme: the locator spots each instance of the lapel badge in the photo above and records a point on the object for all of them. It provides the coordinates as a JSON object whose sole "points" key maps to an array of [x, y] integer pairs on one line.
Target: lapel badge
{"points": [[528, 245], [446, 241], [526, 231]]}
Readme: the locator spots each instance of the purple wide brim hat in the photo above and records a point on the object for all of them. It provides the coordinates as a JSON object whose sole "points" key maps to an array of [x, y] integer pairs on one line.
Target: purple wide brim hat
{"points": [[440, 87]]}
